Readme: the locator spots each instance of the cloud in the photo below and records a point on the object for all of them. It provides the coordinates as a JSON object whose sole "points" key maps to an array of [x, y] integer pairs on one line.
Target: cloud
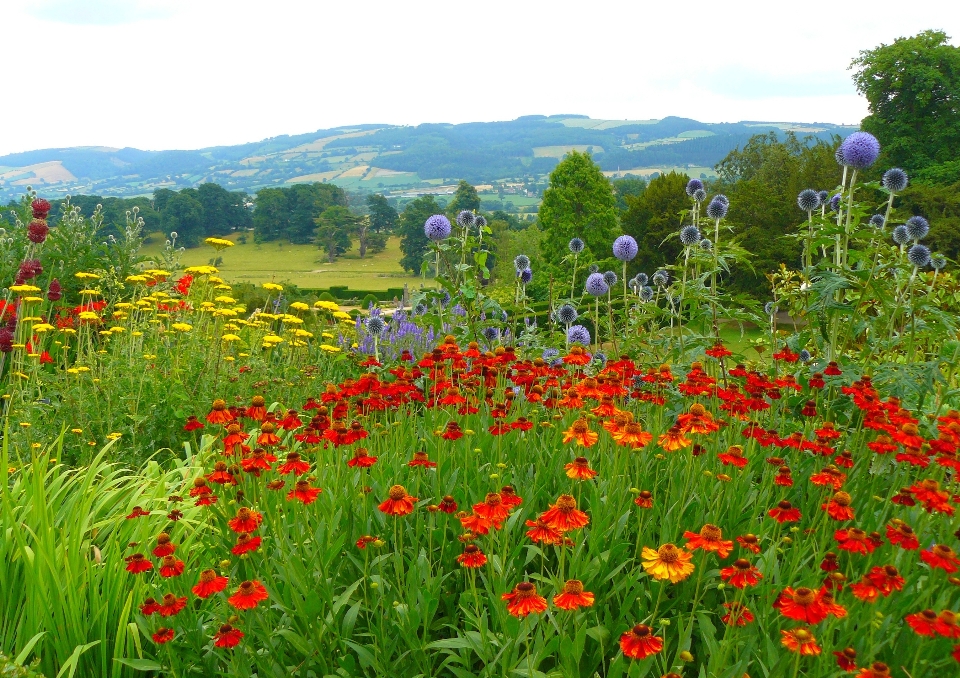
{"points": [[101, 12]]}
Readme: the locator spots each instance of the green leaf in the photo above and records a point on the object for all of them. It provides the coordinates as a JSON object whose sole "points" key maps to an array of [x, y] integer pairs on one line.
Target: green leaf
{"points": [[25, 652], [140, 664]]}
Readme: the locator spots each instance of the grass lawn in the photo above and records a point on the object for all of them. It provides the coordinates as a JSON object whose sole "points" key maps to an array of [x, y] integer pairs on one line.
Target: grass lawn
{"points": [[302, 265]]}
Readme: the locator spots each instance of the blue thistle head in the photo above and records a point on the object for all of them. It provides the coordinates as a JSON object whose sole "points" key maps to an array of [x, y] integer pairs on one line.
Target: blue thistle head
{"points": [[824, 196], [706, 245], [437, 227], [699, 195], [642, 279], [900, 235], [610, 278], [479, 221], [491, 334], [549, 353], [690, 235], [593, 268], [717, 209], [646, 293], [566, 314], [860, 150], [596, 285], [376, 325], [661, 278], [578, 334], [808, 200], [917, 228], [938, 262], [835, 202], [693, 186], [576, 245], [919, 255], [466, 219], [769, 308], [894, 180], [521, 261], [525, 276], [625, 248], [877, 221]]}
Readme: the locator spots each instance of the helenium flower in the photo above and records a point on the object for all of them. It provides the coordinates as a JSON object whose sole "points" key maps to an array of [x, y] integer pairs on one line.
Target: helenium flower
{"points": [[596, 285], [625, 248], [860, 150], [437, 228]]}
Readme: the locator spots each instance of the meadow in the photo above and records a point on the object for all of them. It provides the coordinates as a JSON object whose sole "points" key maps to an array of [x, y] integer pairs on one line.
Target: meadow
{"points": [[191, 488]]}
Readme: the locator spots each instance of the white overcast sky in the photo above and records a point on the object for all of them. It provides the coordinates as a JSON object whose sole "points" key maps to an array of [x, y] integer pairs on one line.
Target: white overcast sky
{"points": [[162, 74]]}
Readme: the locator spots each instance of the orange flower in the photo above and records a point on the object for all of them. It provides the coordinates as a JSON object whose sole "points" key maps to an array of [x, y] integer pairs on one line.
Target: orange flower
{"points": [[579, 469], [838, 507], [246, 521], [737, 615], [303, 492], [697, 421], [219, 414], [399, 503], [581, 433], [524, 600], [741, 574], [800, 640], [564, 515], [673, 440], [639, 642], [267, 435], [632, 435], [541, 533], [644, 499], [784, 513], [573, 596], [492, 508], [472, 556], [248, 595], [667, 562], [804, 605], [923, 622], [209, 584], [709, 539]]}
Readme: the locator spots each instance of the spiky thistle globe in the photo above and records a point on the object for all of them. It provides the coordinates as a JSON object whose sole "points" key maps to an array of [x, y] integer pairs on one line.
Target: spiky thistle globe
{"points": [[938, 262], [610, 278], [661, 278], [646, 293], [877, 221], [593, 268], [420, 309], [491, 333], [706, 245], [699, 195], [479, 221], [549, 353], [521, 261], [894, 180], [437, 228], [824, 196], [690, 235], [919, 255], [567, 314], [642, 279], [900, 235], [917, 228], [625, 248], [860, 150], [376, 325], [717, 209], [634, 285], [525, 276], [693, 186], [596, 285], [578, 334], [838, 154], [769, 308], [835, 202], [808, 200], [466, 219], [576, 245], [805, 356]]}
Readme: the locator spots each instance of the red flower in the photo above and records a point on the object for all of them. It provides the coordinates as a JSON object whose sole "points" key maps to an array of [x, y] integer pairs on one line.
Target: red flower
{"points": [[137, 512], [294, 464], [209, 584], [246, 521], [741, 574], [164, 546], [540, 532], [644, 499], [800, 640], [924, 622], [248, 595], [421, 459], [784, 513], [749, 542], [854, 540], [163, 635], [171, 605], [946, 624], [940, 556], [472, 556], [303, 492], [523, 600], [573, 596], [227, 636], [170, 566], [267, 435], [718, 350], [886, 579], [219, 414], [804, 605], [192, 423], [245, 544], [737, 614], [138, 563], [639, 642], [564, 515], [838, 507], [579, 469], [492, 508], [361, 459], [448, 505], [150, 606], [847, 659], [709, 539], [398, 502]]}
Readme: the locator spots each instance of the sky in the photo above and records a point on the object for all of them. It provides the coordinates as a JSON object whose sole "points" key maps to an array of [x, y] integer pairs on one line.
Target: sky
{"points": [[185, 74]]}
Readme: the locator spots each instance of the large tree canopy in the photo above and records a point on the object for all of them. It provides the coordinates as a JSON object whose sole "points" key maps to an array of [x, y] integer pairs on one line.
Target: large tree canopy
{"points": [[413, 242]]}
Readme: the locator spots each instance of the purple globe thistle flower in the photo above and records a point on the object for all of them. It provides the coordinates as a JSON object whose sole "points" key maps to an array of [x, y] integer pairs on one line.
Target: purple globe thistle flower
{"points": [[717, 209], [824, 196], [625, 248], [466, 219], [835, 202], [699, 195], [596, 285], [769, 308], [917, 228], [566, 314], [900, 235], [693, 186], [661, 278], [576, 245], [55, 291], [690, 235], [521, 261], [642, 278], [877, 221], [805, 356], [420, 309], [526, 275], [808, 200], [634, 285], [376, 325], [860, 150], [578, 334], [437, 228], [838, 155], [593, 268], [706, 245], [479, 221], [894, 180], [919, 255], [646, 293], [610, 278], [491, 334], [938, 262], [549, 353]]}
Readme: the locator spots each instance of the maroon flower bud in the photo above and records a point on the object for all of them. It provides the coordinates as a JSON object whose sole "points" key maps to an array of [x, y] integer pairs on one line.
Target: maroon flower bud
{"points": [[37, 231], [29, 269], [6, 340], [41, 208], [55, 292]]}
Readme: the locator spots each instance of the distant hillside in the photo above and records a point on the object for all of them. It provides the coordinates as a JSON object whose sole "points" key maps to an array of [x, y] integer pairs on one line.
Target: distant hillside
{"points": [[391, 159]]}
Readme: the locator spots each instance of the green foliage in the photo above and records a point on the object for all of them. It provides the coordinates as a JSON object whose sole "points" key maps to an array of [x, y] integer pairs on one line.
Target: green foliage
{"points": [[414, 243], [652, 218], [334, 226], [11, 669], [579, 203], [941, 205], [183, 215], [913, 86], [223, 211], [628, 187], [326, 296], [465, 198], [368, 301], [289, 213], [383, 215]]}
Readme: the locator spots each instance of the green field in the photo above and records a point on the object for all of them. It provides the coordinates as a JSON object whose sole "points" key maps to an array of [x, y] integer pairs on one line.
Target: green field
{"points": [[301, 265]]}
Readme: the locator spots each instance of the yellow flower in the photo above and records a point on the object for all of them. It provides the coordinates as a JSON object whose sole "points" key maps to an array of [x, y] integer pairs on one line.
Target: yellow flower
{"points": [[303, 333], [113, 436], [342, 315], [123, 305], [201, 270], [83, 275], [90, 292], [149, 356], [68, 330], [327, 305], [25, 424], [39, 328], [156, 273], [138, 333], [327, 335], [219, 243], [273, 287], [222, 286], [667, 562], [229, 358], [225, 313], [136, 278], [24, 289], [225, 300], [230, 337], [299, 306], [33, 300], [182, 327], [116, 329], [77, 430], [329, 349], [88, 315], [292, 320], [272, 339]]}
